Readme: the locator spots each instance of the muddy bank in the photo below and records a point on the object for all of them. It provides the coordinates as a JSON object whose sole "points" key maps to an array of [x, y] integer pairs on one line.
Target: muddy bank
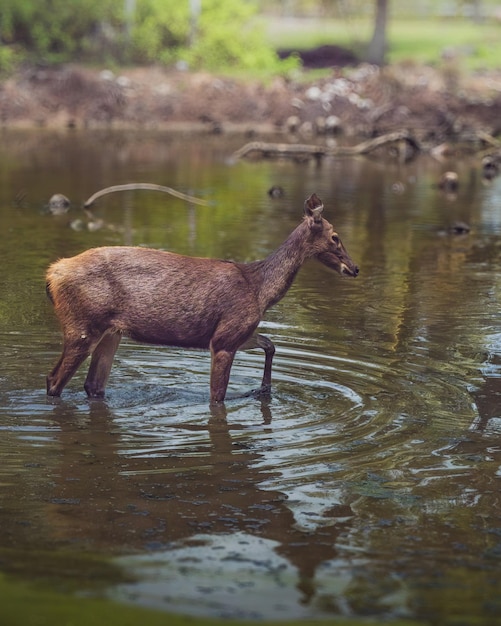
{"points": [[363, 101]]}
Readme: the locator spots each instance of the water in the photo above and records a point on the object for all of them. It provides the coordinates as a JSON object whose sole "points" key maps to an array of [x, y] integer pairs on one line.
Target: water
{"points": [[366, 485]]}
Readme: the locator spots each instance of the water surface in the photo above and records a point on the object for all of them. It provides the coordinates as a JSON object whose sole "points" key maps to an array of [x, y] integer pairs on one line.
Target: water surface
{"points": [[366, 485]]}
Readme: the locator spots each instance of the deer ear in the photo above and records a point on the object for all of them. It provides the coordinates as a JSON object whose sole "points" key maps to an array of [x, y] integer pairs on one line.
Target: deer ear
{"points": [[313, 207]]}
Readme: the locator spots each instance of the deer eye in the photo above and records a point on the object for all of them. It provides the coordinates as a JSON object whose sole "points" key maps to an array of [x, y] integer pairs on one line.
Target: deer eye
{"points": [[335, 240]]}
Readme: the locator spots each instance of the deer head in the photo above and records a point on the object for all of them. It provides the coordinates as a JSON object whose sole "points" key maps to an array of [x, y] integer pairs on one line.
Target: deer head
{"points": [[327, 246]]}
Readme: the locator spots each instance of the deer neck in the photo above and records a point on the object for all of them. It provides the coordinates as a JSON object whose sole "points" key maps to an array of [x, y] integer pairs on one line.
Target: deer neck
{"points": [[274, 275]]}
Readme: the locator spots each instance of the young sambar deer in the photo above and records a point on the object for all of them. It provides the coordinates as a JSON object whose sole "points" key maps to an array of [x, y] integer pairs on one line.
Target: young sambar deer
{"points": [[168, 299]]}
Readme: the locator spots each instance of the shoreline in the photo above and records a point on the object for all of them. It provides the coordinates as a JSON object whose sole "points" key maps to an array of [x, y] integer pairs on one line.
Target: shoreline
{"points": [[360, 102]]}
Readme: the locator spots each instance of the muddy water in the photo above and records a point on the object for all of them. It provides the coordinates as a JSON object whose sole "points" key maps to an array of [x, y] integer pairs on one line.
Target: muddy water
{"points": [[368, 484]]}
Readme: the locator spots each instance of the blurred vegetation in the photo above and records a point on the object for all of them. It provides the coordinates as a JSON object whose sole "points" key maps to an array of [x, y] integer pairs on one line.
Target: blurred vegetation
{"points": [[241, 34], [474, 45], [426, 31], [51, 30], [355, 8], [224, 34]]}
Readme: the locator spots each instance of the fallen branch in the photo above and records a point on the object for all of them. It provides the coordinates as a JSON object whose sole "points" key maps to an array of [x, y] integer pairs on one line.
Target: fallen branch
{"points": [[298, 150], [148, 187]]}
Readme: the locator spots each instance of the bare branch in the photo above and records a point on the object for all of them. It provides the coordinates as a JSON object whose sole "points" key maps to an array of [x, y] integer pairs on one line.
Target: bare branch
{"points": [[148, 187], [301, 150]]}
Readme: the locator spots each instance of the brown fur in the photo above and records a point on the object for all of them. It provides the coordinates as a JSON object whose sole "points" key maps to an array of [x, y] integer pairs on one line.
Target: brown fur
{"points": [[164, 298]]}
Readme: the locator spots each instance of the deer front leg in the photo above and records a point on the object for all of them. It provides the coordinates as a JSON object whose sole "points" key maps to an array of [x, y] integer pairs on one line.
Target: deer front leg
{"points": [[222, 361], [260, 341], [100, 365], [74, 354]]}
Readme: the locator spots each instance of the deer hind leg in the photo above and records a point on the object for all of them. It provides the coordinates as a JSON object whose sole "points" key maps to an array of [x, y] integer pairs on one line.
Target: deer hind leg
{"points": [[260, 341], [75, 351], [100, 365], [222, 361]]}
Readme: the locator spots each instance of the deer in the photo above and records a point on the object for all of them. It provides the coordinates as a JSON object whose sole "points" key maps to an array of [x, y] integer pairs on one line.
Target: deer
{"points": [[163, 298]]}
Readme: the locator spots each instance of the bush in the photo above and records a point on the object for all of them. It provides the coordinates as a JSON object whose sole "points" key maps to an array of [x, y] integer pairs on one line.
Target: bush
{"points": [[226, 34], [52, 30]]}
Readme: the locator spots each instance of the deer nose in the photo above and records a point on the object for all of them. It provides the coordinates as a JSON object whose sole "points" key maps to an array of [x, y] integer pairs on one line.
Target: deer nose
{"points": [[349, 270]]}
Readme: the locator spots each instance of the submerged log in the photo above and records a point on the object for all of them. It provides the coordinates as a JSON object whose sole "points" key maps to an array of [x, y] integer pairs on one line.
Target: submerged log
{"points": [[267, 150]]}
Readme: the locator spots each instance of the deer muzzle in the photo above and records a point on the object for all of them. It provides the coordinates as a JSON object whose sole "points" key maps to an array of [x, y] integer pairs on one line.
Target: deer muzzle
{"points": [[349, 270]]}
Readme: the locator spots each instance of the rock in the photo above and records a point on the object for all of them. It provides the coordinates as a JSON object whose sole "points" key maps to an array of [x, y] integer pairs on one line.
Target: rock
{"points": [[276, 192], [449, 181], [333, 124], [59, 204], [292, 123]]}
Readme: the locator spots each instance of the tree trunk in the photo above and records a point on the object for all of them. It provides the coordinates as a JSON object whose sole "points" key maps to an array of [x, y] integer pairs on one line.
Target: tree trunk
{"points": [[477, 14], [377, 47]]}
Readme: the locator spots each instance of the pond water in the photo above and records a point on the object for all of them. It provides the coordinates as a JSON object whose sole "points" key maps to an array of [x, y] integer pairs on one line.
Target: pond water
{"points": [[367, 484]]}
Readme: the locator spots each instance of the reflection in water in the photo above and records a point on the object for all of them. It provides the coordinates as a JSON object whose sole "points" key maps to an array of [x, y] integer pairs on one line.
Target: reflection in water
{"points": [[122, 499], [366, 485]]}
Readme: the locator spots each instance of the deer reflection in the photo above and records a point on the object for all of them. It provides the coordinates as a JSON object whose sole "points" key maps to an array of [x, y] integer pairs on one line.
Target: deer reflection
{"points": [[487, 397], [109, 500]]}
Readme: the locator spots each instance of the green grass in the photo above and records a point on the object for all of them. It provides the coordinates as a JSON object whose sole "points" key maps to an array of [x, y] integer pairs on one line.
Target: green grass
{"points": [[477, 46], [303, 33], [424, 41]]}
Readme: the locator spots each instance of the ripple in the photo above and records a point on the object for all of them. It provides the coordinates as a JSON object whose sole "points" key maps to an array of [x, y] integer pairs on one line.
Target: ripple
{"points": [[337, 425]]}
